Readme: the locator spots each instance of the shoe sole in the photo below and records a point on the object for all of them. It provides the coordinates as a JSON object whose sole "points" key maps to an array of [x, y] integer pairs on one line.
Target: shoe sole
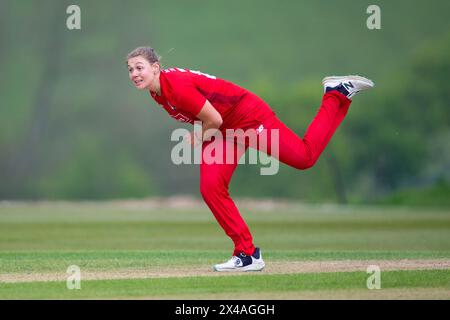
{"points": [[351, 77], [242, 269]]}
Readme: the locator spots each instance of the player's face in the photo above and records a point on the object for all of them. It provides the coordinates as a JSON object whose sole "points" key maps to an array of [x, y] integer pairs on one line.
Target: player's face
{"points": [[142, 73]]}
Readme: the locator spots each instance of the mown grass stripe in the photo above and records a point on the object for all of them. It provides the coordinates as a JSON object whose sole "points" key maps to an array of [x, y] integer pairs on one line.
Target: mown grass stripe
{"points": [[243, 283]]}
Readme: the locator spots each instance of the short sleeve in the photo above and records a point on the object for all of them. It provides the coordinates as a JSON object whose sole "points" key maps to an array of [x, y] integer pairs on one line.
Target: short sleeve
{"points": [[189, 99]]}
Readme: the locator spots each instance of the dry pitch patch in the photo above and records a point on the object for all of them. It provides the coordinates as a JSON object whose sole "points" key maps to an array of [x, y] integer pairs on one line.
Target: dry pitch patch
{"points": [[292, 267]]}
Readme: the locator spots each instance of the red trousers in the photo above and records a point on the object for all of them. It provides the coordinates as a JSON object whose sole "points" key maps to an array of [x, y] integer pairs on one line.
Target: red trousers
{"points": [[300, 153]]}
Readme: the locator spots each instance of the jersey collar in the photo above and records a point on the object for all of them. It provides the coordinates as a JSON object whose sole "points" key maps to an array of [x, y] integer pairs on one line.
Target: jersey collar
{"points": [[164, 87]]}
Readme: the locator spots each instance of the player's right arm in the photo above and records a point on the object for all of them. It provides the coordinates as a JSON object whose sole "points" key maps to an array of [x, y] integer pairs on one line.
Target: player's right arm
{"points": [[187, 98], [211, 122]]}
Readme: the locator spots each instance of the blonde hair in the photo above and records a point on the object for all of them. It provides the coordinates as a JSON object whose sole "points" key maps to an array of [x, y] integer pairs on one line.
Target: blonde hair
{"points": [[147, 52]]}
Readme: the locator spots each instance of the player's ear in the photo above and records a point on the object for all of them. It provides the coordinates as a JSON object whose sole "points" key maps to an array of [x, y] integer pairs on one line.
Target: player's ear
{"points": [[155, 67]]}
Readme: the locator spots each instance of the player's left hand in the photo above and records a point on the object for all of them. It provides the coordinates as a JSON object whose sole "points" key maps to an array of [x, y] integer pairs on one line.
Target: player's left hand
{"points": [[192, 139]]}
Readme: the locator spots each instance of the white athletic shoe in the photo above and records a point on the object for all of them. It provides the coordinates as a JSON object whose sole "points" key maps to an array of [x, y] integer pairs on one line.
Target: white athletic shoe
{"points": [[242, 262], [347, 85]]}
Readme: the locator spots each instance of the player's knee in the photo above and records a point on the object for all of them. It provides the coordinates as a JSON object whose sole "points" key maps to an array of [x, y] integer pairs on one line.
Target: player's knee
{"points": [[209, 186], [306, 164]]}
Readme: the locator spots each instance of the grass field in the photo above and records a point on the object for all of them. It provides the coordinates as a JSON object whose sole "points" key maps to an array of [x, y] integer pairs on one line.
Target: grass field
{"points": [[150, 250]]}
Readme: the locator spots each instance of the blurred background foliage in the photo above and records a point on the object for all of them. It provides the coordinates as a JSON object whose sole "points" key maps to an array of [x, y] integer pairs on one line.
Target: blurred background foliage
{"points": [[73, 127]]}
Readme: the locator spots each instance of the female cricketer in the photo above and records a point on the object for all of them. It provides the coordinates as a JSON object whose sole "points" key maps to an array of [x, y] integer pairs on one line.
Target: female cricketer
{"points": [[221, 106]]}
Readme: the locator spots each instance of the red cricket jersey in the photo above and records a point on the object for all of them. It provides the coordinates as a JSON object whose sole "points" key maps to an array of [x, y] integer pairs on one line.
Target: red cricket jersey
{"points": [[184, 92]]}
